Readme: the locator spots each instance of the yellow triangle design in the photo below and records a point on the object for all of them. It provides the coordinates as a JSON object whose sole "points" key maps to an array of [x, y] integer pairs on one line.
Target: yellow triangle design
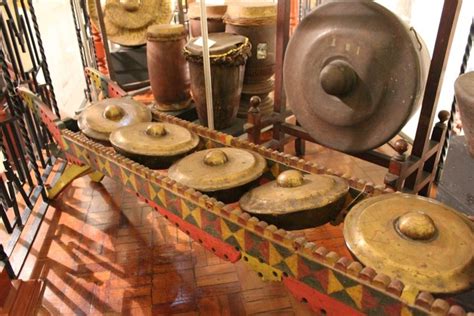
{"points": [[184, 209], [104, 164], [162, 197], [133, 181], [275, 256], [124, 176], [355, 293], [196, 213], [333, 283], [292, 263], [152, 192], [405, 311], [226, 233], [80, 153], [240, 236]]}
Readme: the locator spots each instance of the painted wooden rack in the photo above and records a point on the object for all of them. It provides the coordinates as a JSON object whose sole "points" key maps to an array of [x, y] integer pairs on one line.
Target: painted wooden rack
{"points": [[328, 282]]}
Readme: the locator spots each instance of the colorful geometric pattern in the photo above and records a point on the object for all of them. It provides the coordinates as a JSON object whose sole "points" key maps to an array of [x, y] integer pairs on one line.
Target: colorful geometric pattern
{"points": [[272, 259], [228, 232], [265, 271]]}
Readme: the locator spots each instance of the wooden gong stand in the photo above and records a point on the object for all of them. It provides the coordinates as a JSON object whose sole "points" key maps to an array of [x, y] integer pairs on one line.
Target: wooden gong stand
{"points": [[412, 173]]}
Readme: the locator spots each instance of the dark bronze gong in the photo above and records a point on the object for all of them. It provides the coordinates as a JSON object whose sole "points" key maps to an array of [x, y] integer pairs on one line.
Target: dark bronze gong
{"points": [[354, 74]]}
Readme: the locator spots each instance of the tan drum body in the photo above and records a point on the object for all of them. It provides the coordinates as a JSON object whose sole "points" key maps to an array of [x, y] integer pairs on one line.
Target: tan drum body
{"points": [[257, 22], [168, 69]]}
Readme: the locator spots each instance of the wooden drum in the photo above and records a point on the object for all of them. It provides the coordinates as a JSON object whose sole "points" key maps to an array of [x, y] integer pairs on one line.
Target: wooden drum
{"points": [[215, 14], [167, 67], [257, 21], [228, 55]]}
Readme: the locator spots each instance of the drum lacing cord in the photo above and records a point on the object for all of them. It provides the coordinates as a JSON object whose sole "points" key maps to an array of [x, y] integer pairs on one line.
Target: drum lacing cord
{"points": [[230, 52]]}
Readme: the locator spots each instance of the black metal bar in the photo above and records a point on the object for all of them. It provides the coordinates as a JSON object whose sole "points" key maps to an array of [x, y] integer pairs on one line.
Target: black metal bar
{"points": [[11, 26], [465, 59], [103, 34], [33, 42], [282, 38], [28, 43], [44, 63], [18, 26], [16, 210], [6, 197], [21, 153], [89, 28], [10, 146], [10, 17], [6, 262], [34, 136], [4, 216], [17, 110], [8, 45], [13, 178]]}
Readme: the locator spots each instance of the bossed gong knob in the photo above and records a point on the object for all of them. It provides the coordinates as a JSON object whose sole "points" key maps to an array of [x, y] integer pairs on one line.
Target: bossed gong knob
{"points": [[338, 78], [113, 112], [130, 5], [416, 226], [290, 179], [215, 157], [156, 130]]}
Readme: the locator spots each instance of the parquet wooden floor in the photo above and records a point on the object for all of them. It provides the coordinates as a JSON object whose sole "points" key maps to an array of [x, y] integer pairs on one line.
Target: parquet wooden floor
{"points": [[101, 251]]}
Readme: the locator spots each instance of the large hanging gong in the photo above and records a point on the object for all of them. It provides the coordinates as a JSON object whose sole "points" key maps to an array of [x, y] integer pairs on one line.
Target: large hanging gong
{"points": [[354, 74]]}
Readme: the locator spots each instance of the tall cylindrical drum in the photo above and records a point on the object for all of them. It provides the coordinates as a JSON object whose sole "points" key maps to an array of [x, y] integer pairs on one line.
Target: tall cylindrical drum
{"points": [[464, 91], [215, 13], [257, 21], [167, 67], [228, 55]]}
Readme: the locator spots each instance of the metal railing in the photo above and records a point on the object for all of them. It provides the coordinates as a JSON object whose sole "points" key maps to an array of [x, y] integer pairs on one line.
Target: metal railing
{"points": [[24, 140]]}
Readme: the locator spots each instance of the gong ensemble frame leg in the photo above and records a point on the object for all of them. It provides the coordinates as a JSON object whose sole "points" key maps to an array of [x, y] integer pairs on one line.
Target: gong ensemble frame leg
{"points": [[96, 176], [71, 173]]}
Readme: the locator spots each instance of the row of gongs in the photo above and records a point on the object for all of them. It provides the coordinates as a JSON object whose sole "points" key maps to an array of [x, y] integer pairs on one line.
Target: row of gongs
{"points": [[417, 240]]}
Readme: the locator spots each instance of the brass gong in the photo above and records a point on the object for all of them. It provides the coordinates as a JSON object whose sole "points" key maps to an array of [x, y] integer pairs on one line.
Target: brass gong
{"points": [[354, 73], [420, 241], [155, 145], [296, 200], [101, 118], [224, 173]]}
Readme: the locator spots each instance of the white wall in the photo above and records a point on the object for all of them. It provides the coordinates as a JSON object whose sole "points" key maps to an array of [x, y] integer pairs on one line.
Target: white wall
{"points": [[424, 16], [62, 53]]}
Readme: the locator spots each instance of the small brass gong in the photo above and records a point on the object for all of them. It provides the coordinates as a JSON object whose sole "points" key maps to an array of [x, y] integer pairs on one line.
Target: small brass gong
{"points": [[218, 169], [101, 118], [155, 145], [296, 200]]}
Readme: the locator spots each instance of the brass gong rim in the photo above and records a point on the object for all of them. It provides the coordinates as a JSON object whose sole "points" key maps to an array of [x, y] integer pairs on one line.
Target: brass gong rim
{"points": [[350, 88], [218, 169], [154, 139], [417, 240]]}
